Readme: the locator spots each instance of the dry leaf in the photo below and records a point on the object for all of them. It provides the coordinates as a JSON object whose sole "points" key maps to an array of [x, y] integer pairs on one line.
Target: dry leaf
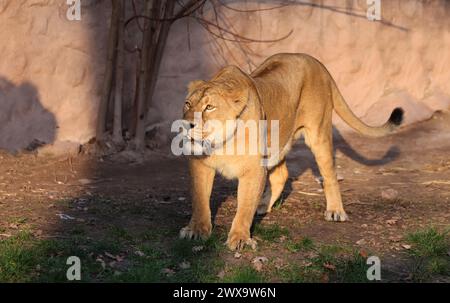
{"points": [[391, 221], [361, 242], [329, 266], [168, 272], [258, 263], [139, 253], [221, 274], [197, 248], [363, 254], [406, 246], [184, 265], [102, 263], [389, 194]]}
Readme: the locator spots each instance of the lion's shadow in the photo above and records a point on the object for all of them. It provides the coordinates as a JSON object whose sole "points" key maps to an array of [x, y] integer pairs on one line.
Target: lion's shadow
{"points": [[307, 162]]}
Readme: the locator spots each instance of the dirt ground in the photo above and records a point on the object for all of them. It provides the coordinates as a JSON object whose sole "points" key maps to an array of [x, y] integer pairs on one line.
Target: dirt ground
{"points": [[391, 187]]}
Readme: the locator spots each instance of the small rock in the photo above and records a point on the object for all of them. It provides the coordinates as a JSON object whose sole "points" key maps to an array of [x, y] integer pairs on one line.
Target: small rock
{"points": [[237, 255], [181, 198], [361, 242], [389, 194], [259, 262]]}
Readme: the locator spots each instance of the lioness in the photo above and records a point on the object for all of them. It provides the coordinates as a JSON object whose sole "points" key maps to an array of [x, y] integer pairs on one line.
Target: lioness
{"points": [[295, 89]]}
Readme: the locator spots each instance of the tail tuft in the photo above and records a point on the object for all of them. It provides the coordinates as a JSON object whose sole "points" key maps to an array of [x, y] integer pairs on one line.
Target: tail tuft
{"points": [[396, 117]]}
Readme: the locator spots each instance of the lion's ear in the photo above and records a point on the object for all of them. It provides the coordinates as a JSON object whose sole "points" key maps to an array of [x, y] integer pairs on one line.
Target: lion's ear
{"points": [[193, 85]]}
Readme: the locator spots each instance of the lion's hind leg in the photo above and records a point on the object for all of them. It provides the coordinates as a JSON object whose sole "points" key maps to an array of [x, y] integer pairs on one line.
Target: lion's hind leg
{"points": [[321, 145], [277, 180]]}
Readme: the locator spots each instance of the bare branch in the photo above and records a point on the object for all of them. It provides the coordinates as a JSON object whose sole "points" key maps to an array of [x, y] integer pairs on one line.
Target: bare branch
{"points": [[252, 10], [237, 37]]}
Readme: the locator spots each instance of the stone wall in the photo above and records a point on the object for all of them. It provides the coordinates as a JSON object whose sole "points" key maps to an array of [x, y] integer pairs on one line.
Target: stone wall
{"points": [[51, 69]]}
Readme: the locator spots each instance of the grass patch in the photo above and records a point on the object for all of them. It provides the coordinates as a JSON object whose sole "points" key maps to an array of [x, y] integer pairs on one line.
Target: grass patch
{"points": [[114, 258], [25, 259], [270, 233], [278, 203], [304, 244], [245, 274], [326, 263], [429, 249]]}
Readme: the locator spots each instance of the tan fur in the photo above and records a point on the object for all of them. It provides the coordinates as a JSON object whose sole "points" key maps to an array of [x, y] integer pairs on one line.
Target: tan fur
{"points": [[295, 89]]}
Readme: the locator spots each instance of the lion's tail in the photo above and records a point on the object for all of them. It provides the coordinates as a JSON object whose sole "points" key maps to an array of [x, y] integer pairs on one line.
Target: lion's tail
{"points": [[342, 109]]}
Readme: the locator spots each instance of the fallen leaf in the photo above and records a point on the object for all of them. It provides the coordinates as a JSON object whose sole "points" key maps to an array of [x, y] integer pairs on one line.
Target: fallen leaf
{"points": [[361, 242], [13, 225], [184, 265], [406, 246], [197, 248], [221, 274], [363, 254], [389, 194], [329, 266], [139, 253], [168, 272], [258, 263], [102, 263], [117, 258], [391, 221]]}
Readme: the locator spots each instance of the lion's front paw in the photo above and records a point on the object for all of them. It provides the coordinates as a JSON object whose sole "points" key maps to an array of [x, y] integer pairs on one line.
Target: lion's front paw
{"points": [[238, 240], [336, 216], [196, 231]]}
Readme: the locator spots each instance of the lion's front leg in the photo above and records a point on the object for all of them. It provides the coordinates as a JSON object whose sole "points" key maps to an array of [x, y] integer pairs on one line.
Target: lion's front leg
{"points": [[202, 179], [250, 189]]}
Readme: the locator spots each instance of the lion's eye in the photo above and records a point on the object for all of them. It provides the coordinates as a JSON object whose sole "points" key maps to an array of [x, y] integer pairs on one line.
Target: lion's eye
{"points": [[209, 107], [187, 104]]}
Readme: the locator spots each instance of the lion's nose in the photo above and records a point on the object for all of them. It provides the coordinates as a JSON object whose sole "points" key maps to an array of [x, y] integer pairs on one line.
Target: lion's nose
{"points": [[189, 124]]}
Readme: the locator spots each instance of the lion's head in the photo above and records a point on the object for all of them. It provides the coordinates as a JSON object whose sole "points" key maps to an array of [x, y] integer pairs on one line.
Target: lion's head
{"points": [[213, 107]]}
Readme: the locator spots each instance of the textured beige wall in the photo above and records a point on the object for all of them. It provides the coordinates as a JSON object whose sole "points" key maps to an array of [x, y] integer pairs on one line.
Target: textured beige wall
{"points": [[51, 69]]}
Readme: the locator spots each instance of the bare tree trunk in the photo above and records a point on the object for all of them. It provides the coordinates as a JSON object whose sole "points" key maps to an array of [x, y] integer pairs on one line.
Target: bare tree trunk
{"points": [[117, 125], [107, 84], [133, 118], [139, 139], [159, 50]]}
